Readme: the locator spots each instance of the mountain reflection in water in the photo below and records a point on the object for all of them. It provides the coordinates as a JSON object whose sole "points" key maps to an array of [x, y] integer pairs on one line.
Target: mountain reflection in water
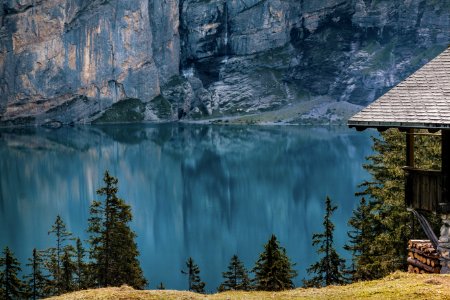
{"points": [[203, 191]]}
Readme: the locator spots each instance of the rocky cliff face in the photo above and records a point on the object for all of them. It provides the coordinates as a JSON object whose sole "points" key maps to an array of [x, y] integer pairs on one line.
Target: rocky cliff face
{"points": [[64, 61]]}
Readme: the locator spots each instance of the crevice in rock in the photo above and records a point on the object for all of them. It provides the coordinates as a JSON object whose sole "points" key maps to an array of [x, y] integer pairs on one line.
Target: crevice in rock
{"points": [[13, 11], [252, 6], [86, 11], [420, 13], [113, 58], [183, 32]]}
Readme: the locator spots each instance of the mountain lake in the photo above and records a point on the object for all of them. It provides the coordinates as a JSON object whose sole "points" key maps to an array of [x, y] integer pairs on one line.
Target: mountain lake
{"points": [[200, 191]]}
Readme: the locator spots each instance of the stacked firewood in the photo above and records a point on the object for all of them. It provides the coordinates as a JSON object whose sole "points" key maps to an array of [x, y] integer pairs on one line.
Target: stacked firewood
{"points": [[422, 257]]}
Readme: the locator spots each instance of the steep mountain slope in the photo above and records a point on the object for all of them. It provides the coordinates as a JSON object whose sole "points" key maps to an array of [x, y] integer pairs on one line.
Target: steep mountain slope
{"points": [[64, 61]]}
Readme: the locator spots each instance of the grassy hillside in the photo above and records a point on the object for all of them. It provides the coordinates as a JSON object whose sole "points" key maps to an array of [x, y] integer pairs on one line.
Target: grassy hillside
{"points": [[398, 285]]}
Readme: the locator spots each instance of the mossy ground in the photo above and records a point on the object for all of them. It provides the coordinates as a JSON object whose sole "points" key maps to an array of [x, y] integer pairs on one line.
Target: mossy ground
{"points": [[398, 285], [128, 110]]}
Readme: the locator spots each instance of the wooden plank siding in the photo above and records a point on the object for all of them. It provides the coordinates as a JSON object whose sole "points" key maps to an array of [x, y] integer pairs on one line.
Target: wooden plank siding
{"points": [[423, 189]]}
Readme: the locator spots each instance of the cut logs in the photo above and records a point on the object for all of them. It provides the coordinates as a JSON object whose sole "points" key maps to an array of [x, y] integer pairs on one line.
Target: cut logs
{"points": [[422, 257]]}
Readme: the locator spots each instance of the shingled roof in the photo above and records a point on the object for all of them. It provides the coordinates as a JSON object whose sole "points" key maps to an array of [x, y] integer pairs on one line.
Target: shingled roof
{"points": [[420, 101]]}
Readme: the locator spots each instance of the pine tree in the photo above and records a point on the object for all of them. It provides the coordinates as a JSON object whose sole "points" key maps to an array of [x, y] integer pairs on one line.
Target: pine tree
{"points": [[113, 249], [11, 286], [37, 282], [236, 278], [161, 286], [329, 269], [195, 283], [50, 264], [273, 270], [360, 239], [81, 268], [68, 270], [391, 223], [55, 254]]}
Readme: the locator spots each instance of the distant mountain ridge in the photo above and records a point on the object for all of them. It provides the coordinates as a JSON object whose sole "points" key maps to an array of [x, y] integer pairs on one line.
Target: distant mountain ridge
{"points": [[80, 61]]}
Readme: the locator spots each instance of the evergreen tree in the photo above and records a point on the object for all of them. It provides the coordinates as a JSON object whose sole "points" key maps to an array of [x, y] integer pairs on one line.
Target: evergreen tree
{"points": [[37, 282], [273, 270], [68, 270], [195, 283], [360, 240], [329, 269], [113, 249], [11, 286], [81, 268], [390, 222], [161, 286], [55, 254], [236, 278], [50, 264]]}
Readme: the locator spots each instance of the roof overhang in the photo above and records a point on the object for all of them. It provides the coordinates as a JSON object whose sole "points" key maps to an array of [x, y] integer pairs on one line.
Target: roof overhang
{"points": [[421, 101], [402, 126]]}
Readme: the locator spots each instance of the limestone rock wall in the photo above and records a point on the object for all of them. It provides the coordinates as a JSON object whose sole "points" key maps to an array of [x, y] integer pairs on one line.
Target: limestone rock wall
{"points": [[70, 60], [156, 60]]}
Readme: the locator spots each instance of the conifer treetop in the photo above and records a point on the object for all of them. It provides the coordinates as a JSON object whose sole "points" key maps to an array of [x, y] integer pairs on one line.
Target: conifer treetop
{"points": [[273, 269], [330, 268], [236, 277]]}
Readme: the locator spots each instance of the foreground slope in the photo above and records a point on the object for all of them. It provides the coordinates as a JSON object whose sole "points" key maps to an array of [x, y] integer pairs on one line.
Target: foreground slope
{"points": [[398, 285]]}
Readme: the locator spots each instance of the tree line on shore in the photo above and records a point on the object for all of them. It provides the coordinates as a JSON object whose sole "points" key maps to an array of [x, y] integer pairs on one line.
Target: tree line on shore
{"points": [[112, 258], [113, 254], [380, 229]]}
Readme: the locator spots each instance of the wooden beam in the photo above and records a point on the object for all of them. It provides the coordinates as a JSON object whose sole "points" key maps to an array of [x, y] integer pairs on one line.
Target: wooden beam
{"points": [[409, 180], [445, 151], [445, 206], [410, 148]]}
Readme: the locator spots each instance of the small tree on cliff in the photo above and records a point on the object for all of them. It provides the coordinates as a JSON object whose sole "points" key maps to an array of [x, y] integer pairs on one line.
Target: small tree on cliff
{"points": [[273, 270], [194, 282], [113, 250], [236, 278], [329, 269], [11, 287]]}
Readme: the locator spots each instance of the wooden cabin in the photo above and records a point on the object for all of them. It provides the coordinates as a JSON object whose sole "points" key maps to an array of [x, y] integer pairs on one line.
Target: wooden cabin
{"points": [[422, 101]]}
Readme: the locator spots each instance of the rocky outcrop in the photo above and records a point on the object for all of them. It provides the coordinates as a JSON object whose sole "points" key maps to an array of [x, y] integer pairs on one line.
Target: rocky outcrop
{"points": [[77, 60]]}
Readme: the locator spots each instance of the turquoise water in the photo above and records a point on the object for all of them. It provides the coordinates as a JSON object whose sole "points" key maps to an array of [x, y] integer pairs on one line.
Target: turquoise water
{"points": [[203, 191]]}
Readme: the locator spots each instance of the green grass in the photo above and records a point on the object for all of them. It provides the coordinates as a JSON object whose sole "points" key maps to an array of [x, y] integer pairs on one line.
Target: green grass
{"points": [[174, 81], [371, 47], [162, 107], [398, 285]]}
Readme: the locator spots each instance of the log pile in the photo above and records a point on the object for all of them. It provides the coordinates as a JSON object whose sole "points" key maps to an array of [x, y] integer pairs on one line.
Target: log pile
{"points": [[422, 257]]}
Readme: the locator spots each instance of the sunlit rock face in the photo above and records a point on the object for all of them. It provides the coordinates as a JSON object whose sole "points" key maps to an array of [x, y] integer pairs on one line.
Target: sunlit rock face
{"points": [[138, 60], [70, 60]]}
